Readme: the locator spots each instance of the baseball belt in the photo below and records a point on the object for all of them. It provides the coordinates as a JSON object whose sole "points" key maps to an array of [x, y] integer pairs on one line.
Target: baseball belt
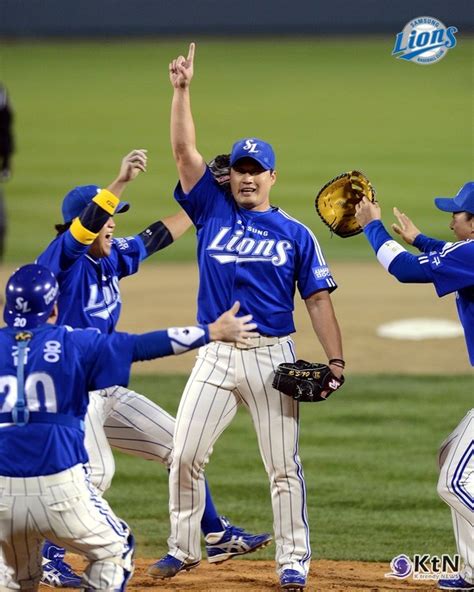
{"points": [[261, 341]]}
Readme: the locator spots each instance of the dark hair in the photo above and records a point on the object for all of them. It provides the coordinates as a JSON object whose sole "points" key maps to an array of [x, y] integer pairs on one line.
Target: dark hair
{"points": [[61, 228]]}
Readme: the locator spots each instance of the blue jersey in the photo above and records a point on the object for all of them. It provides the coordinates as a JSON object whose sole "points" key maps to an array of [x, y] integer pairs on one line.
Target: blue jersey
{"points": [[89, 293], [451, 269], [255, 257], [61, 366]]}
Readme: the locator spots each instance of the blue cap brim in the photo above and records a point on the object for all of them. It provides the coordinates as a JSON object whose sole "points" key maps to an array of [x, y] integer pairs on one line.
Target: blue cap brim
{"points": [[123, 207], [446, 204], [263, 164]]}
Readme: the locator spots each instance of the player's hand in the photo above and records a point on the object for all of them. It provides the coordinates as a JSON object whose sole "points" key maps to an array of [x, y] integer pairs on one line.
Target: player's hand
{"points": [[405, 227], [132, 165], [228, 327], [367, 211], [181, 69]]}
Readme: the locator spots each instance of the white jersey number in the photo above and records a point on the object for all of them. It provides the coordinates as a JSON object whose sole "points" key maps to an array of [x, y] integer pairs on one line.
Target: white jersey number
{"points": [[39, 390]]}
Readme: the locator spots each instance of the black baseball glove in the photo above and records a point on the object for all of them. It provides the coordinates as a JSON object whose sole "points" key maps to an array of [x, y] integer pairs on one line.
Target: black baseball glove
{"points": [[305, 381], [220, 168]]}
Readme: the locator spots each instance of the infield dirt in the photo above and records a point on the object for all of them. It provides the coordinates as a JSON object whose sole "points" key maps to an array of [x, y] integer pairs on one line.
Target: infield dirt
{"points": [[260, 576]]}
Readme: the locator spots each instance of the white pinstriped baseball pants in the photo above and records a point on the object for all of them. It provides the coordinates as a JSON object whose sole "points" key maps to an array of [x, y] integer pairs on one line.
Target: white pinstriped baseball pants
{"points": [[456, 488], [66, 509], [224, 377], [121, 418]]}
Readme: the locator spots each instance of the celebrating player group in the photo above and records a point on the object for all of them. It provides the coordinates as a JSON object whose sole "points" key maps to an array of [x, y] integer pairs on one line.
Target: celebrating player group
{"points": [[64, 369]]}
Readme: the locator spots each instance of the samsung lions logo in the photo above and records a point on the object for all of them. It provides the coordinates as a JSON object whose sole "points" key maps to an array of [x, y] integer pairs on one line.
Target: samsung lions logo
{"points": [[424, 40], [235, 248]]}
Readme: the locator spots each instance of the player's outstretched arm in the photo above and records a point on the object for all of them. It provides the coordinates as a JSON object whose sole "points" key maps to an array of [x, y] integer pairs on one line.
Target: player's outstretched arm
{"points": [[178, 340], [407, 268], [189, 162], [132, 165]]}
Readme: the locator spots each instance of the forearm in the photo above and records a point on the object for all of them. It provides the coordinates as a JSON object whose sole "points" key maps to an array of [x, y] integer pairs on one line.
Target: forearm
{"points": [[325, 325], [117, 187], [426, 244], [183, 132], [173, 341], [177, 224], [190, 163], [393, 257], [155, 237]]}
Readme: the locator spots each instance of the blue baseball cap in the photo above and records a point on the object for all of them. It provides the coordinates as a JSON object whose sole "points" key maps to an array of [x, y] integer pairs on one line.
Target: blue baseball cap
{"points": [[258, 150], [462, 202], [80, 197]]}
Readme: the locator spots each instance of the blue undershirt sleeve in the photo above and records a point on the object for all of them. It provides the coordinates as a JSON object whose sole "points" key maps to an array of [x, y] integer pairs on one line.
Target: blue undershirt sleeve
{"points": [[376, 234], [426, 244], [72, 248]]}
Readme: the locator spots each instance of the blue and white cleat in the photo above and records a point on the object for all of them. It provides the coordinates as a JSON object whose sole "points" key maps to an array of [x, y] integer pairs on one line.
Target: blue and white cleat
{"points": [[59, 574], [458, 583], [292, 580], [233, 541], [168, 566]]}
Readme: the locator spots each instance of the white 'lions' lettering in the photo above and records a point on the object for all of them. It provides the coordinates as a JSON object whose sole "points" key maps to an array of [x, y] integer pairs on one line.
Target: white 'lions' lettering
{"points": [[254, 249], [111, 298]]}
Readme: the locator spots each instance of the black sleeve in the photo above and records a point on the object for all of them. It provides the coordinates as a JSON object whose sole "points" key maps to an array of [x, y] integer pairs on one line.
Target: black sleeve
{"points": [[93, 217], [156, 237]]}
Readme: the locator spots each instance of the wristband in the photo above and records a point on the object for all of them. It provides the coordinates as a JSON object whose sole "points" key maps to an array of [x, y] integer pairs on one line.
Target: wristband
{"points": [[337, 362], [81, 233], [107, 201]]}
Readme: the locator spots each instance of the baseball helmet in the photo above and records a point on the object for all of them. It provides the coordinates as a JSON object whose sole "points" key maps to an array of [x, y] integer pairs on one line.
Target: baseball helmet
{"points": [[80, 197], [30, 295]]}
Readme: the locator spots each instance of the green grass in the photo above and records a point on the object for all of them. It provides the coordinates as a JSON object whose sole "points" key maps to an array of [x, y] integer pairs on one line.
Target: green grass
{"points": [[327, 105], [370, 460]]}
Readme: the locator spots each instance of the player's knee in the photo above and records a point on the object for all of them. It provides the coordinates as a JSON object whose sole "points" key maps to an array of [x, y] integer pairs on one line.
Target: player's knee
{"points": [[189, 458]]}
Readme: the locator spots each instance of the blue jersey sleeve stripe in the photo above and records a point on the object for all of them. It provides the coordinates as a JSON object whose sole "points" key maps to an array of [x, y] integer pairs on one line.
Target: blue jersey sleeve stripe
{"points": [[450, 247]]}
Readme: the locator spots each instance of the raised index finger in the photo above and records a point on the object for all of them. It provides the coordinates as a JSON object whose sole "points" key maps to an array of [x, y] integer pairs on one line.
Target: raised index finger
{"points": [[192, 47]]}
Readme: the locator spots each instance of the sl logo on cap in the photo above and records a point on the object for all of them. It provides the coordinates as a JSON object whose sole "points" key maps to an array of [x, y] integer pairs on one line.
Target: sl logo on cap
{"points": [[250, 146]]}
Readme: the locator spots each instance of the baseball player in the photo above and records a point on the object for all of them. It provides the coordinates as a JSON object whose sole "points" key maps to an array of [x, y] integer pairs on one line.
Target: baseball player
{"points": [[450, 267], [45, 373], [89, 267], [250, 249]]}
